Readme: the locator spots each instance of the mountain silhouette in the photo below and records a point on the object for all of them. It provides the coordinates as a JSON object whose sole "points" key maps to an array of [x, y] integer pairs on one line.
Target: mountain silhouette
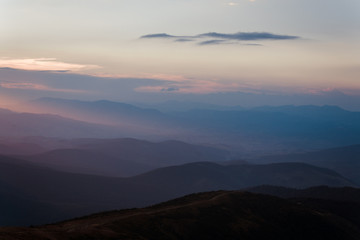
{"points": [[210, 215], [345, 160], [78, 194]]}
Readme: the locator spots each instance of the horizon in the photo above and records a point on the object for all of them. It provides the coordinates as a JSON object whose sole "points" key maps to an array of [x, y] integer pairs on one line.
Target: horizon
{"points": [[84, 87]]}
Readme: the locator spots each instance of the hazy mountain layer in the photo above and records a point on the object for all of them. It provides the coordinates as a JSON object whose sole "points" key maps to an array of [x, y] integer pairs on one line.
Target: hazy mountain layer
{"points": [[245, 131], [14, 124], [123, 157], [345, 160], [102, 111]]}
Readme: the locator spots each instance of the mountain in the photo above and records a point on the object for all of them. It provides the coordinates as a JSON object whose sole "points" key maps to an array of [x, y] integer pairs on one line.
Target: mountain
{"points": [[170, 152], [102, 111], [345, 160], [254, 131], [145, 123], [316, 125], [173, 105], [211, 215], [342, 194], [56, 192], [275, 130], [13, 124], [344, 202], [74, 195], [123, 157], [9, 147], [88, 162], [206, 176]]}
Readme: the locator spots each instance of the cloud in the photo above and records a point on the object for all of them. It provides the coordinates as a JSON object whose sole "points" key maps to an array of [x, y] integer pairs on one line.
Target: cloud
{"points": [[43, 64], [253, 44], [35, 86], [212, 42], [196, 86], [184, 40], [158, 35], [325, 91], [170, 89], [214, 38], [248, 36]]}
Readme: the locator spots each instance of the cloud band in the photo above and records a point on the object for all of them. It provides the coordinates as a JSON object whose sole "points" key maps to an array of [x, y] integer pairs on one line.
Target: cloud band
{"points": [[214, 38]]}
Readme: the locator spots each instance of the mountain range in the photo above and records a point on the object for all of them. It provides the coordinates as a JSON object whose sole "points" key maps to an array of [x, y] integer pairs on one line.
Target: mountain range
{"points": [[253, 131], [122, 157], [211, 215], [102, 111], [344, 160], [59, 195], [15, 125], [81, 157]]}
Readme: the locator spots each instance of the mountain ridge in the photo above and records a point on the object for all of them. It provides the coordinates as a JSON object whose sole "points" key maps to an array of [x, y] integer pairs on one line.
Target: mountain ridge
{"points": [[123, 156], [345, 160], [79, 194], [210, 215]]}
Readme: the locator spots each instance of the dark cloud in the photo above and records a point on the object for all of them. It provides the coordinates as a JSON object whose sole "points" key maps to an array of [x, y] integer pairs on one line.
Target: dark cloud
{"points": [[248, 36], [212, 42], [170, 89], [214, 38], [253, 44], [184, 40], [158, 35]]}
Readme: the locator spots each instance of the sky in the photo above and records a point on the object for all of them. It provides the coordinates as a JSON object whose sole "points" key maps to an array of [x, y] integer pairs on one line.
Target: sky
{"points": [[172, 49]]}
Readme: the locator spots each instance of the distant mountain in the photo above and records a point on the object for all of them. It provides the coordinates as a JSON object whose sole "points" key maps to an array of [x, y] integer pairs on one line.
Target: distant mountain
{"points": [[88, 162], [275, 130], [171, 106], [13, 124], [102, 111], [309, 110], [316, 125], [205, 176], [211, 215], [124, 157], [163, 153], [254, 131], [18, 147], [77, 194], [345, 160]]}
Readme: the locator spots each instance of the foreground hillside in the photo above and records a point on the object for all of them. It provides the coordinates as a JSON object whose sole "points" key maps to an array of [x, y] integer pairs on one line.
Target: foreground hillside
{"points": [[212, 215], [37, 195]]}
